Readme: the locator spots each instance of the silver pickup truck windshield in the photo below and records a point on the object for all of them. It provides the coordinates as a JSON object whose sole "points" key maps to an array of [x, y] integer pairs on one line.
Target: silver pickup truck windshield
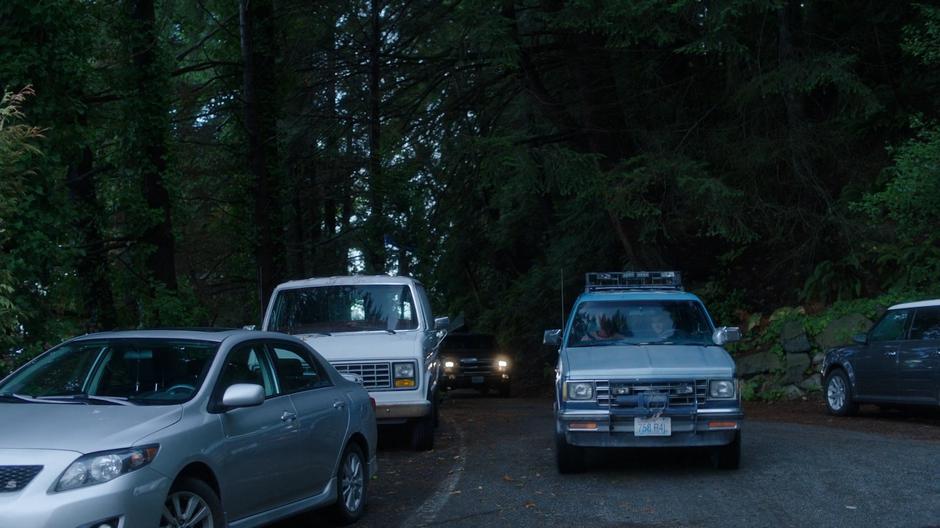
{"points": [[346, 308], [602, 323]]}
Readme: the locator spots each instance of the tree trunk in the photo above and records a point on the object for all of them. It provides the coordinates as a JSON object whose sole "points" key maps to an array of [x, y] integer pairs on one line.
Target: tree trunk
{"points": [[258, 92], [92, 268], [375, 235], [150, 141]]}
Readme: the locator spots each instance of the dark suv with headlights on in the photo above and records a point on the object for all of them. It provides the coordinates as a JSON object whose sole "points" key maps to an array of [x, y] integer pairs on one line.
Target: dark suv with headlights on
{"points": [[473, 361], [641, 364]]}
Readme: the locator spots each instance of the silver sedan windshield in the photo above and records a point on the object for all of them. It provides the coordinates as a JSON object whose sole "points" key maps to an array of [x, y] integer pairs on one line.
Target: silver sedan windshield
{"points": [[143, 371]]}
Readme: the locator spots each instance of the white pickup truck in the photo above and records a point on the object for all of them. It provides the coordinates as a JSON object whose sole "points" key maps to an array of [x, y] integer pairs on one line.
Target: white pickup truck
{"points": [[379, 328]]}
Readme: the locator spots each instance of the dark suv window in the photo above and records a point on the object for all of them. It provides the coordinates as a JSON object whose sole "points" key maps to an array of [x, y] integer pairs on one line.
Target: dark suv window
{"points": [[926, 323], [892, 326]]}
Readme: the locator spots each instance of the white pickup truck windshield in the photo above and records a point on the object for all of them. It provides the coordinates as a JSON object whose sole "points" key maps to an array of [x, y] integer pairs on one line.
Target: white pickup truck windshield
{"points": [[346, 308]]}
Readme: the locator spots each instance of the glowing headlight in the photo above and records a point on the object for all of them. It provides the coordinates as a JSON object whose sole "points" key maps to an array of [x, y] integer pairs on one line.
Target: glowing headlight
{"points": [[721, 389], [448, 364], [97, 468], [580, 390], [502, 363]]}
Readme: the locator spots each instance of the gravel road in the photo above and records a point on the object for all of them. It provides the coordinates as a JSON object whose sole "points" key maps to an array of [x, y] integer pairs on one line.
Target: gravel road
{"points": [[493, 465]]}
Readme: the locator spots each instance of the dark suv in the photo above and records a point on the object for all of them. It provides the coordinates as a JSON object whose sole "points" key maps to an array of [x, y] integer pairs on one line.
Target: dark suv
{"points": [[473, 361], [896, 362]]}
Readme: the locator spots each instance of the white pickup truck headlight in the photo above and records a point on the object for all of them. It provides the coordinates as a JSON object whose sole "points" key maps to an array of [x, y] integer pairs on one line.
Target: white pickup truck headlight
{"points": [[721, 389], [579, 390], [404, 375], [98, 468]]}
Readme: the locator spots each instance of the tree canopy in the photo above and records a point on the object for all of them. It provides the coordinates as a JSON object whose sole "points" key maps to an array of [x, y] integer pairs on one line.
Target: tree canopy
{"points": [[167, 163]]}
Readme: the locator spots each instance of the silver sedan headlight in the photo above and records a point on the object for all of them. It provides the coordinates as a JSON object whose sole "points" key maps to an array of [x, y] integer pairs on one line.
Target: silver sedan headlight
{"points": [[721, 389], [98, 468], [580, 390]]}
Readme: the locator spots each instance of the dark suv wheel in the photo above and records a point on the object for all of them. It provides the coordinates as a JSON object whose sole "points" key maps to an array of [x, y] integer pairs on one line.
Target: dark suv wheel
{"points": [[838, 391]]}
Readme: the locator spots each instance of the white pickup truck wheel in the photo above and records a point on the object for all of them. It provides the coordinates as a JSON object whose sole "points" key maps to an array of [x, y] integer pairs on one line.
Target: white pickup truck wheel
{"points": [[422, 431]]}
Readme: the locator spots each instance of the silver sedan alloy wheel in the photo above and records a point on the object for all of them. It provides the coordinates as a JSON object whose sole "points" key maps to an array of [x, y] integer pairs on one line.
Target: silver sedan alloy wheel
{"points": [[353, 481], [185, 509], [835, 393]]}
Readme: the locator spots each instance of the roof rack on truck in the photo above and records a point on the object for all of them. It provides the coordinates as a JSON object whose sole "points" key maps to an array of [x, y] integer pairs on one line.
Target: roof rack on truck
{"points": [[632, 280]]}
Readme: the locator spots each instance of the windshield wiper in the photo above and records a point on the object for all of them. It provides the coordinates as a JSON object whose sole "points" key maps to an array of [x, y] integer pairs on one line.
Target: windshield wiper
{"points": [[85, 398], [323, 333], [10, 396]]}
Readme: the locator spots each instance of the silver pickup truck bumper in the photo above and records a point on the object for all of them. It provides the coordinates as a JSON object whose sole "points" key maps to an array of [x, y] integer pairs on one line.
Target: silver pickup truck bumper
{"points": [[706, 427]]}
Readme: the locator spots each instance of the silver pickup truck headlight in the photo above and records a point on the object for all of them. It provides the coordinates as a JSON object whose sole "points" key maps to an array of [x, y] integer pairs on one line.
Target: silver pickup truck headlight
{"points": [[579, 390], [721, 389]]}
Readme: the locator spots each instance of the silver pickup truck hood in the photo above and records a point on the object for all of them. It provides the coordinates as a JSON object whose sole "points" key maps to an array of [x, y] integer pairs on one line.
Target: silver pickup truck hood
{"points": [[649, 361]]}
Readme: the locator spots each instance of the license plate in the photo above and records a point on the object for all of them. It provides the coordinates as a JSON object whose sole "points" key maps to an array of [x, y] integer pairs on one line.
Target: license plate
{"points": [[652, 426], [476, 379]]}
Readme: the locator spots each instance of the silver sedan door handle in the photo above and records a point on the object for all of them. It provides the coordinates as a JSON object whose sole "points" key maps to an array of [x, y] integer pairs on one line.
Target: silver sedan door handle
{"points": [[288, 416]]}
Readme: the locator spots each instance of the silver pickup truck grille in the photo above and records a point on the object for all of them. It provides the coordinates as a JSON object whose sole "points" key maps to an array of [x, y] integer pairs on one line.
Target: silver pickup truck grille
{"points": [[374, 375], [679, 392]]}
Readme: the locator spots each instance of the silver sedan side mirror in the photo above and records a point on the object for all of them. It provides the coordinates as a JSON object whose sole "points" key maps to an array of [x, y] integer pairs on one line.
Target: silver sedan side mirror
{"points": [[243, 395], [726, 334], [552, 337]]}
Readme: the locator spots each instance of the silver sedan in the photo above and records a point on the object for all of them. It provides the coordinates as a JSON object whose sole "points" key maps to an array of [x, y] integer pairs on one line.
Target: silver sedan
{"points": [[201, 429]]}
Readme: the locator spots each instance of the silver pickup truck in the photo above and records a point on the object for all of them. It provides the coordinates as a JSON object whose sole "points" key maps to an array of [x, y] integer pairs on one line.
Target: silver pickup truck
{"points": [[379, 328], [641, 364]]}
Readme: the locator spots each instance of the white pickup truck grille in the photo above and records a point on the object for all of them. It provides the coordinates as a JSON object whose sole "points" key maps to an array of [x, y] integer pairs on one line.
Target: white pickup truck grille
{"points": [[374, 375]]}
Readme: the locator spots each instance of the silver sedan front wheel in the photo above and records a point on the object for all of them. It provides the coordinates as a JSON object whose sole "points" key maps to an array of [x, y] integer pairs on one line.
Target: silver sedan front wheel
{"points": [[191, 504]]}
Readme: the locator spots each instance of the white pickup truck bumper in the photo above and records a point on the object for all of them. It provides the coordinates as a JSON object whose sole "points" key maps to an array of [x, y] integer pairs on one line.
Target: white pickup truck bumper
{"points": [[398, 411]]}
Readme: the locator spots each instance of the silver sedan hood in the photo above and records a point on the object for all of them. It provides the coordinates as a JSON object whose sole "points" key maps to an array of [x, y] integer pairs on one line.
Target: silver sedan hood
{"points": [[649, 361], [81, 428]]}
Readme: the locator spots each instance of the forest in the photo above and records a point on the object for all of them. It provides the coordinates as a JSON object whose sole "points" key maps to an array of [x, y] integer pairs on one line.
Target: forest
{"points": [[166, 163]]}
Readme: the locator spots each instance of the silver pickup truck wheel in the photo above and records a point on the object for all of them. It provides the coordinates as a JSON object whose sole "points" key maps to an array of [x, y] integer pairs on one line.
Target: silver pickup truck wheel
{"points": [[570, 459], [728, 456]]}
